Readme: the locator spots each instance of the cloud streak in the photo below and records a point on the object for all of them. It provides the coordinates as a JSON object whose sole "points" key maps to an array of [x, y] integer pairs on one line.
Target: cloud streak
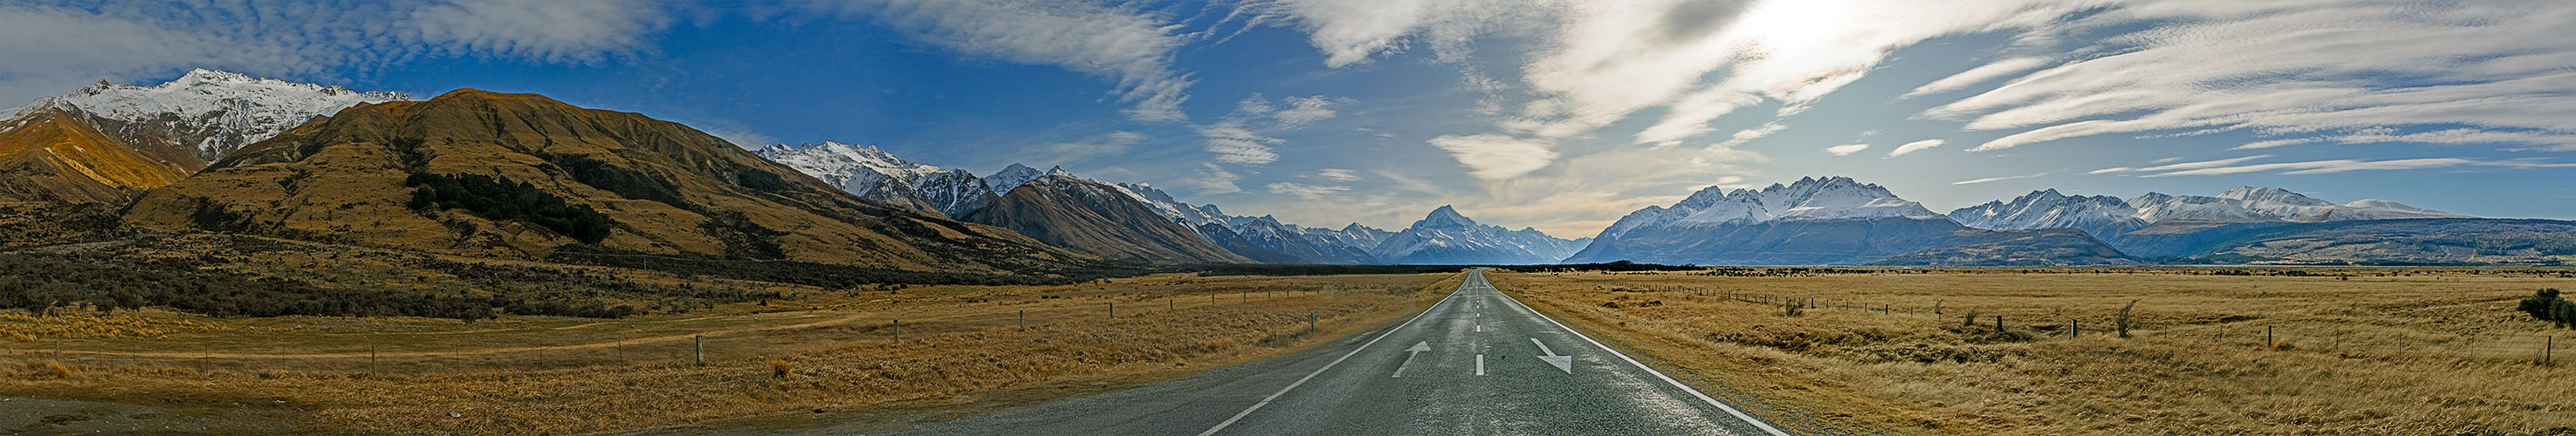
{"points": [[1131, 47]]}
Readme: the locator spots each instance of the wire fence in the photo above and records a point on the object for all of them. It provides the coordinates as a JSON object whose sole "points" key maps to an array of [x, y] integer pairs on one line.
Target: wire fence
{"points": [[753, 339], [2544, 348]]}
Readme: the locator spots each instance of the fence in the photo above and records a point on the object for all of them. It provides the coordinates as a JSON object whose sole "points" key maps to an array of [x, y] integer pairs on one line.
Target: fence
{"points": [[2544, 349], [754, 339]]}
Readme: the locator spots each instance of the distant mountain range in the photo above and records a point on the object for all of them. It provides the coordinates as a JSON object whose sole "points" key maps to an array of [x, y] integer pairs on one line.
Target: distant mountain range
{"points": [[1443, 236], [522, 176]]}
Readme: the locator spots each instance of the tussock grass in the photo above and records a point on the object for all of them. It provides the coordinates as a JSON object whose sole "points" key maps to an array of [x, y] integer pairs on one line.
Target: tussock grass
{"points": [[2377, 352], [825, 350]]}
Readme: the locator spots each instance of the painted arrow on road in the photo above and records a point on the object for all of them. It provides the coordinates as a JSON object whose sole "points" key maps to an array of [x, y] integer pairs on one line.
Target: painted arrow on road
{"points": [[1563, 363], [1418, 348]]}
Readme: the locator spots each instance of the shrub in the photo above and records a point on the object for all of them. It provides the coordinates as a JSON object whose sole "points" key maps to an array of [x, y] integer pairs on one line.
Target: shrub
{"points": [[2545, 305]]}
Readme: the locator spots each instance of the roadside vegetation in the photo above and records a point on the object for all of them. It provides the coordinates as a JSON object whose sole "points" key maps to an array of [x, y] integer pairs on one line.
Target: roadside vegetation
{"points": [[1986, 351], [812, 353]]}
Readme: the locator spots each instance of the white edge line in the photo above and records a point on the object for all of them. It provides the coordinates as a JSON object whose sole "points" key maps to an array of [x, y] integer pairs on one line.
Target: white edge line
{"points": [[1730, 410], [1328, 366]]}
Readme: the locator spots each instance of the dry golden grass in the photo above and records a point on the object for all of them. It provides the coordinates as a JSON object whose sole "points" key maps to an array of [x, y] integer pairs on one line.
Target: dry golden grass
{"points": [[2381, 352], [83, 324], [828, 351]]}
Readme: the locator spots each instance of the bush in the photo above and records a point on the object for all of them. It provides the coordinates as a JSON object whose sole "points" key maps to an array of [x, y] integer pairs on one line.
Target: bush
{"points": [[500, 200], [2545, 305]]}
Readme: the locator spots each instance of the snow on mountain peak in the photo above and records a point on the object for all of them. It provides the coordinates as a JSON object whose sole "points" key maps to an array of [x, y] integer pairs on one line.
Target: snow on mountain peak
{"points": [[2105, 216], [1809, 198], [1445, 216], [1011, 177], [212, 112]]}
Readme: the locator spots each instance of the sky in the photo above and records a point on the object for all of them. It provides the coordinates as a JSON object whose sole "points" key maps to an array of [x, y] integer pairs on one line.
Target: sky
{"points": [[1557, 114]]}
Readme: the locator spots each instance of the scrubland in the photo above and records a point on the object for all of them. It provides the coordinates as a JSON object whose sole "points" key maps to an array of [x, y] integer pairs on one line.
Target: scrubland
{"points": [[1917, 351], [813, 351]]}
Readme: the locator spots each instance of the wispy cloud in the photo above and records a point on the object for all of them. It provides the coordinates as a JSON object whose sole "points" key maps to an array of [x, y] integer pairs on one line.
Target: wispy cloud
{"points": [[1132, 47], [1337, 175], [2289, 67], [1211, 179], [54, 48], [1495, 157], [1981, 74], [1308, 191], [1915, 146], [1846, 149], [1996, 179]]}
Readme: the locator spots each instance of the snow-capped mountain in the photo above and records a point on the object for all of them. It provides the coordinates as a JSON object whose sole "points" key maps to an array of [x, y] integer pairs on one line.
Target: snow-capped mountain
{"points": [[2100, 215], [209, 112], [860, 169], [1821, 221], [1011, 177], [1808, 199], [1446, 237], [2108, 217]]}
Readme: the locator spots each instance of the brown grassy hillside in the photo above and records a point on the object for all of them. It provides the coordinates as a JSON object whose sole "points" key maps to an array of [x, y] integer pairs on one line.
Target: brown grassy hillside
{"points": [[659, 188], [1092, 217], [51, 156]]}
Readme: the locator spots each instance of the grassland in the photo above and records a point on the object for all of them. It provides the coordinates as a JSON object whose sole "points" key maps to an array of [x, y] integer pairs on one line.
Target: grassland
{"points": [[2359, 351], [813, 351]]}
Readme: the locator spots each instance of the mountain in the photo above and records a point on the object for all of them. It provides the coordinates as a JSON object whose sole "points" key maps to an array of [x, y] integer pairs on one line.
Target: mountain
{"points": [[206, 112], [2102, 216], [1823, 221], [1268, 234], [1446, 237], [1226, 238], [2270, 204], [519, 175], [858, 169], [2416, 240], [53, 156], [1097, 218]]}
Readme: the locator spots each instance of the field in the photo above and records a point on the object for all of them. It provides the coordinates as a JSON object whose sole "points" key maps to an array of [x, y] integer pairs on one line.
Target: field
{"points": [[812, 351], [2280, 351]]}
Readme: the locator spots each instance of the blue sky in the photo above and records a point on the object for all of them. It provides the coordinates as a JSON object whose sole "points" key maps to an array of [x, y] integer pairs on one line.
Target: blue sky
{"points": [[1562, 115]]}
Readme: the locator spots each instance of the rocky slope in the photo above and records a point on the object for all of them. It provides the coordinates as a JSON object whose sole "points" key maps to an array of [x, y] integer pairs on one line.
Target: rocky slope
{"points": [[1097, 218], [206, 112], [1446, 237], [53, 156], [1822, 221], [520, 175]]}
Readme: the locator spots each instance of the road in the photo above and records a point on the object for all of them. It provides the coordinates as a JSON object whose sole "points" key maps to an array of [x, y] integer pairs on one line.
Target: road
{"points": [[1477, 362]]}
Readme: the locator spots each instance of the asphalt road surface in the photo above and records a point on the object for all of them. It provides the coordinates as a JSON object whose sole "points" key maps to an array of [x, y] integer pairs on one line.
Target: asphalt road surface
{"points": [[1478, 362]]}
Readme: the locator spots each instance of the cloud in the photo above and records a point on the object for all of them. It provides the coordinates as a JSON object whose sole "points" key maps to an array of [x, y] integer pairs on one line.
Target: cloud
{"points": [[1308, 192], [1846, 149], [2295, 66], [1337, 175], [1996, 179], [1495, 157], [2180, 166], [1981, 74], [2321, 167], [2257, 145], [539, 29], [51, 49], [1234, 144], [1131, 47], [1915, 146], [1211, 179], [1306, 110], [1748, 135]]}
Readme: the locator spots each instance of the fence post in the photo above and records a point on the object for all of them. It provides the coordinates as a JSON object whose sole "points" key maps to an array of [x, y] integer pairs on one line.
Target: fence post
{"points": [[1310, 322], [2074, 328], [1999, 323], [1024, 319], [700, 344], [1113, 309], [2268, 342], [2549, 345]]}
